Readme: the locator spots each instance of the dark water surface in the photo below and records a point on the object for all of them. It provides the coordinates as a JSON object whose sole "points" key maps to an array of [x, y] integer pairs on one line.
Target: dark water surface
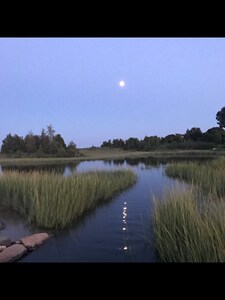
{"points": [[118, 231]]}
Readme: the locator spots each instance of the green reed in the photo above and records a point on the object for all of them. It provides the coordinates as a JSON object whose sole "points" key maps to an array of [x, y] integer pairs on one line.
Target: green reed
{"points": [[50, 200], [189, 224], [209, 176]]}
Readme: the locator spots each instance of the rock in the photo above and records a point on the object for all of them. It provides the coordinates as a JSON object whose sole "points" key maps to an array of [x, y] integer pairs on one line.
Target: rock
{"points": [[2, 248], [4, 241], [12, 253], [35, 240]]}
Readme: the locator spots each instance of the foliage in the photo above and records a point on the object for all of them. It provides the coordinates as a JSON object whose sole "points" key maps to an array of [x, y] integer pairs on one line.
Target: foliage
{"points": [[194, 134], [215, 135], [46, 144], [12, 144], [220, 117], [193, 138], [72, 150]]}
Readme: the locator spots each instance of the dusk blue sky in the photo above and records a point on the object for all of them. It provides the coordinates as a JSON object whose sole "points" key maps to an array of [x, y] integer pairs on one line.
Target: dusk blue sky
{"points": [[172, 84]]}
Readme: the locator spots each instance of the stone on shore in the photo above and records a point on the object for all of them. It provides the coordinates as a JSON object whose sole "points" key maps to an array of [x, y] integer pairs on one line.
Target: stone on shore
{"points": [[4, 241], [2, 248], [12, 253], [33, 241]]}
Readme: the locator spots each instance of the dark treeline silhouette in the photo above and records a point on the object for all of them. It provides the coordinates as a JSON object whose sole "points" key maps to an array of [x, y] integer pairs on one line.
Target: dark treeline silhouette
{"points": [[47, 144], [193, 138]]}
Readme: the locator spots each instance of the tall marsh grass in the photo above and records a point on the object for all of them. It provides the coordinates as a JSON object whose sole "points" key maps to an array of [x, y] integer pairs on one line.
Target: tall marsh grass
{"points": [[189, 225], [208, 176], [50, 200]]}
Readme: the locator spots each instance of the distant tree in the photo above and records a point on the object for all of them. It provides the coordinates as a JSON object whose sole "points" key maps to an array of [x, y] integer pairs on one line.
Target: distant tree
{"points": [[220, 116], [30, 143], [53, 147], [132, 143], [18, 143], [12, 144], [214, 135], [44, 142], [61, 152], [72, 149], [118, 143], [50, 132], [171, 138], [194, 134], [59, 141], [106, 144], [150, 141], [44, 145], [7, 144]]}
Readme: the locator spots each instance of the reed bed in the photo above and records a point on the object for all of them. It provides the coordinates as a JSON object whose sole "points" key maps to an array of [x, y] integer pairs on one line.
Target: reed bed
{"points": [[208, 176], [189, 224], [52, 201]]}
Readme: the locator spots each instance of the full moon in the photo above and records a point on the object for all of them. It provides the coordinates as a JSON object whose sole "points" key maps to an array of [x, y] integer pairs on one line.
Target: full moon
{"points": [[122, 83]]}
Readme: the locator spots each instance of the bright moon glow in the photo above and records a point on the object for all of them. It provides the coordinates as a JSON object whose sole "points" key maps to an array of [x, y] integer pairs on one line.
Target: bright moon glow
{"points": [[122, 83]]}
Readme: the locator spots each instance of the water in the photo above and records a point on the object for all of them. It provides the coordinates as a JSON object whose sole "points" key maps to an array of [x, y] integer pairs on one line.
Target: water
{"points": [[118, 231]]}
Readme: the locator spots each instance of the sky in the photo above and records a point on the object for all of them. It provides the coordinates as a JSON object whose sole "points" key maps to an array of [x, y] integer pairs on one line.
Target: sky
{"points": [[171, 85]]}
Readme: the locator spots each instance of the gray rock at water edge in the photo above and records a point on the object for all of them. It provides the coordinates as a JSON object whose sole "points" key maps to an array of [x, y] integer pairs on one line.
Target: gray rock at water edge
{"points": [[12, 253], [4, 241], [2, 248], [33, 241]]}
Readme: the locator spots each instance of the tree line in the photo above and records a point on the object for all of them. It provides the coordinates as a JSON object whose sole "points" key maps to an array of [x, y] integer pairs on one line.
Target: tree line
{"points": [[193, 138], [46, 144]]}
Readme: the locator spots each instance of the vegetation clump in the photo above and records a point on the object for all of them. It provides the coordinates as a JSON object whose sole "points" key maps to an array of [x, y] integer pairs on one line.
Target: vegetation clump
{"points": [[50, 200], [47, 144], [189, 225]]}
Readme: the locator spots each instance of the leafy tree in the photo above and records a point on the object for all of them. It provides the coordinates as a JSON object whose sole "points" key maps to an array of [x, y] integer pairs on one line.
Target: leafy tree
{"points": [[173, 138], [214, 135], [59, 141], [43, 145], [7, 144], [53, 147], [50, 132], [44, 142], [30, 143], [12, 144], [220, 116], [106, 144], [150, 141], [72, 149], [132, 143], [194, 134], [61, 152], [118, 143]]}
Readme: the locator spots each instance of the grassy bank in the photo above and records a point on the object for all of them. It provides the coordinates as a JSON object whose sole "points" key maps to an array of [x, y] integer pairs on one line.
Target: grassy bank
{"points": [[184, 232], [189, 225], [208, 176], [96, 154], [51, 200]]}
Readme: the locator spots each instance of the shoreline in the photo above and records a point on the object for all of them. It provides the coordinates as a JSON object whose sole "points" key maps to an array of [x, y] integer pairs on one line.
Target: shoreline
{"points": [[105, 154]]}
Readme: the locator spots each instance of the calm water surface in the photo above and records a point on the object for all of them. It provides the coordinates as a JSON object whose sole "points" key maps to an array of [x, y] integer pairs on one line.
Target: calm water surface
{"points": [[118, 231]]}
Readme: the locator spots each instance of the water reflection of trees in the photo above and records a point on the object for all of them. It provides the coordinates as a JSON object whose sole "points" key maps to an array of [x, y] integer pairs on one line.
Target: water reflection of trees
{"points": [[119, 161], [153, 161], [108, 162], [58, 168]]}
